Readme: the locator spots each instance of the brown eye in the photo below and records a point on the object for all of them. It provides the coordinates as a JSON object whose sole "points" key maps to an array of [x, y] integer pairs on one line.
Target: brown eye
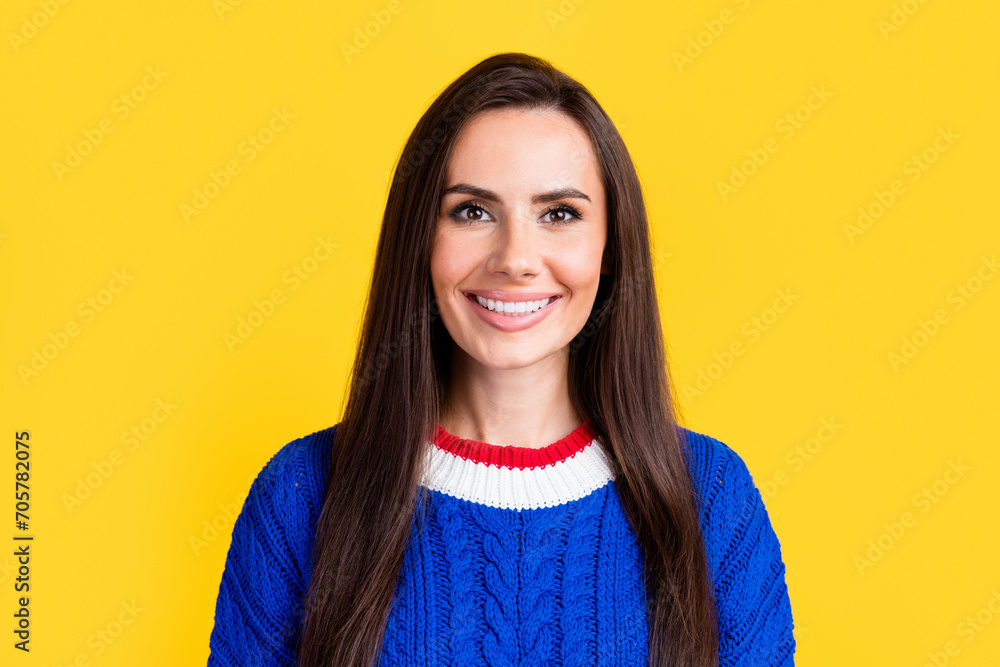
{"points": [[469, 212], [563, 214]]}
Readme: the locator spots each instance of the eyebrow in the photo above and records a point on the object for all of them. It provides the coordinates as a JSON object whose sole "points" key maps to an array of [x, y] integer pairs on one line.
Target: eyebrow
{"points": [[489, 195]]}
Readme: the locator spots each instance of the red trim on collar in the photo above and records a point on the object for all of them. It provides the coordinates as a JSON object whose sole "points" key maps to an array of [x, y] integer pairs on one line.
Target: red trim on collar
{"points": [[511, 456]]}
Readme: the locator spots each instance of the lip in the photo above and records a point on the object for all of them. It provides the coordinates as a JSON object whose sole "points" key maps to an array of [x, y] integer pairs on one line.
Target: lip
{"points": [[500, 295], [506, 322]]}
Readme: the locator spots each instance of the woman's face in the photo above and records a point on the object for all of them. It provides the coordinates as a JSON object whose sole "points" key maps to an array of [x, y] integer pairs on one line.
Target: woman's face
{"points": [[522, 219]]}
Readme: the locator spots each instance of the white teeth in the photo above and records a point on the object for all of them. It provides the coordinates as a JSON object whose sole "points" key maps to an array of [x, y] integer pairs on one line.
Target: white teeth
{"points": [[512, 308]]}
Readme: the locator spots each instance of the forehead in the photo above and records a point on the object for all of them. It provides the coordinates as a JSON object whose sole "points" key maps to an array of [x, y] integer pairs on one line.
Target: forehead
{"points": [[528, 147]]}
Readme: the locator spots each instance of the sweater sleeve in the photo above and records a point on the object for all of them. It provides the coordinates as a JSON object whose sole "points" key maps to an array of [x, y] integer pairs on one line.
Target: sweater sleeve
{"points": [[259, 606], [752, 603]]}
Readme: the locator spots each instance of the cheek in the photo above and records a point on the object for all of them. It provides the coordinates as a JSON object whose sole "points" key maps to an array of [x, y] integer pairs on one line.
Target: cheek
{"points": [[580, 265], [449, 265]]}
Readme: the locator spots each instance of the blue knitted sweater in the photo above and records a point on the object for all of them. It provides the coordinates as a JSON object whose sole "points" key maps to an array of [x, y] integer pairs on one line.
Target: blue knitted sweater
{"points": [[526, 557]]}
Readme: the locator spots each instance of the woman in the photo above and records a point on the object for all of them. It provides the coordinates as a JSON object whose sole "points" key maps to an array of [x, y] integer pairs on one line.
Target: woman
{"points": [[508, 484]]}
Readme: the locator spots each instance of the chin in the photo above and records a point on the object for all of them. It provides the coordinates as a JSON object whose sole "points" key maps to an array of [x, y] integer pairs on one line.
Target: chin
{"points": [[516, 358]]}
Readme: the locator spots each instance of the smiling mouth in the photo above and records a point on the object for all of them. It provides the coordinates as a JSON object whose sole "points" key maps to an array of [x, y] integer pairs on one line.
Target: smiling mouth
{"points": [[512, 308]]}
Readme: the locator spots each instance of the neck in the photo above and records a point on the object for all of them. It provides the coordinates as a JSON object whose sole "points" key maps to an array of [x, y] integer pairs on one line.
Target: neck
{"points": [[529, 406]]}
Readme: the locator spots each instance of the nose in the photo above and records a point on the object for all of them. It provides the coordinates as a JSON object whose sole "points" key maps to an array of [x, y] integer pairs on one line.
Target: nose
{"points": [[517, 253]]}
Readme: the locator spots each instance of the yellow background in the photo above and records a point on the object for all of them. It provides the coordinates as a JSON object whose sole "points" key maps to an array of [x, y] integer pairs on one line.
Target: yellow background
{"points": [[324, 174]]}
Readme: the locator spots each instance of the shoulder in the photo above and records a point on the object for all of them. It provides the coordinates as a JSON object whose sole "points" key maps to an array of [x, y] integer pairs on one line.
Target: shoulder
{"points": [[718, 472], [730, 505], [287, 495], [744, 556], [299, 466], [292, 484], [269, 561]]}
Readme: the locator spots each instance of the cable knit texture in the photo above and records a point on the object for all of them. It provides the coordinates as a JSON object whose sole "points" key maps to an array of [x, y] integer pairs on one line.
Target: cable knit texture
{"points": [[525, 557]]}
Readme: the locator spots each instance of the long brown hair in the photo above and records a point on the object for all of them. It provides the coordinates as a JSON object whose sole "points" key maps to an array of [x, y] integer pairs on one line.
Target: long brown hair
{"points": [[618, 379]]}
